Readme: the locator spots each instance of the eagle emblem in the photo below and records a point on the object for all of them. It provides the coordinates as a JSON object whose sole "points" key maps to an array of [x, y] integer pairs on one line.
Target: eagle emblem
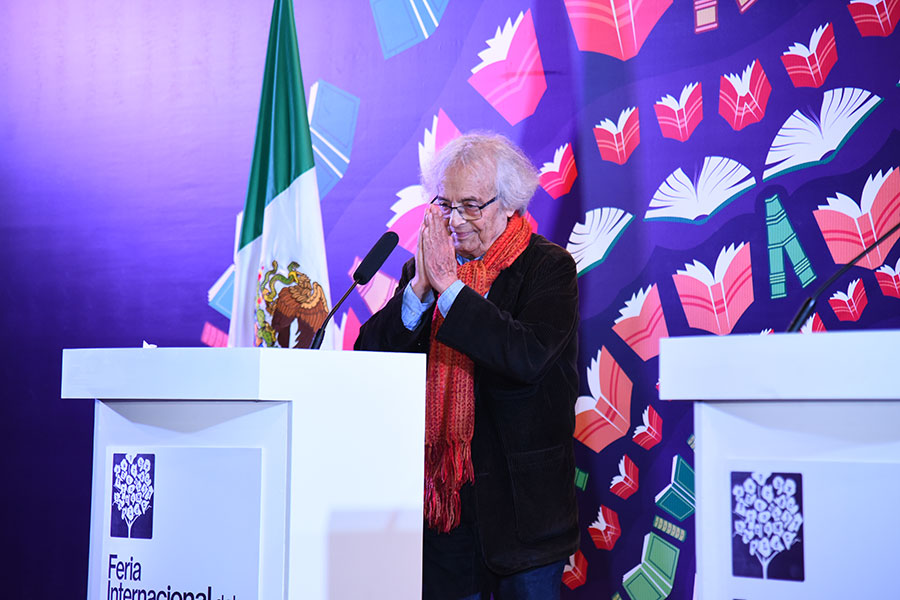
{"points": [[287, 302]]}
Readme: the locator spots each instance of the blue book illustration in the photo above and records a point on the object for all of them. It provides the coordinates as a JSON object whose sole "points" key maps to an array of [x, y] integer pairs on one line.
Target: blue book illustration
{"points": [[221, 294], [678, 498], [332, 125], [402, 24]]}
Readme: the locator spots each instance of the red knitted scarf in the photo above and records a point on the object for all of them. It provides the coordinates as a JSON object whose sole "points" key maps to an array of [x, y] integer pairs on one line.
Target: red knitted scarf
{"points": [[450, 397]]}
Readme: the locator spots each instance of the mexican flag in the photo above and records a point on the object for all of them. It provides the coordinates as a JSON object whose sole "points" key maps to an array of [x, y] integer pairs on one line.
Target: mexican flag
{"points": [[281, 292]]}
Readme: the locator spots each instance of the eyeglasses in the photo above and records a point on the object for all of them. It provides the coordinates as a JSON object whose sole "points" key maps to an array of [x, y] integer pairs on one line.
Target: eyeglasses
{"points": [[468, 210]]}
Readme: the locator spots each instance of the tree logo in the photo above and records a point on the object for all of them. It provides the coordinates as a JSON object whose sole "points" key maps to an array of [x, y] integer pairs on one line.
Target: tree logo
{"points": [[133, 477], [767, 522]]}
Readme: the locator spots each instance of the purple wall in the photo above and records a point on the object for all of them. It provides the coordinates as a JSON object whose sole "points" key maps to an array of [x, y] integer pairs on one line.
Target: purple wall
{"points": [[126, 132]]}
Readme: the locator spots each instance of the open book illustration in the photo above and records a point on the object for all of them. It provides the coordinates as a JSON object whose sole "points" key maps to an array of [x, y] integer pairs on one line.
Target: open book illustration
{"points": [[332, 125], [625, 483], [641, 322], [575, 572], [402, 24], [849, 228], [804, 141], [558, 175], [849, 305], [810, 66], [617, 28], [605, 415], [649, 433], [813, 324], [743, 98], [875, 17], [654, 577], [616, 141], [591, 241], [678, 498], [715, 302], [605, 530], [510, 75], [679, 118], [679, 198], [888, 278]]}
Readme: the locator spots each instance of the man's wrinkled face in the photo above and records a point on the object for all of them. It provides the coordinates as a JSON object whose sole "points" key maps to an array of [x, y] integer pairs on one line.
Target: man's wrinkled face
{"points": [[471, 239]]}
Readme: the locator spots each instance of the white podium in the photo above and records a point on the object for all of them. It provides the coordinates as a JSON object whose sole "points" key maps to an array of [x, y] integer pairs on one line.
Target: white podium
{"points": [[797, 439], [241, 473]]}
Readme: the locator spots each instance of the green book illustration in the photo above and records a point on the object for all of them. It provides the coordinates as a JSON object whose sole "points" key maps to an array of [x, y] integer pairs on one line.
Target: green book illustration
{"points": [[678, 498], [581, 478], [654, 577]]}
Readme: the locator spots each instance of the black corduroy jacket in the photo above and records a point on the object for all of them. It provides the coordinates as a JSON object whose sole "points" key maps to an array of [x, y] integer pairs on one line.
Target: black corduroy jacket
{"points": [[523, 341]]}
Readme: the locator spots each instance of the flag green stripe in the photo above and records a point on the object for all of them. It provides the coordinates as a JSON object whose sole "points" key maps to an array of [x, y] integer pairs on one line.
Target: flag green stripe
{"points": [[283, 149]]}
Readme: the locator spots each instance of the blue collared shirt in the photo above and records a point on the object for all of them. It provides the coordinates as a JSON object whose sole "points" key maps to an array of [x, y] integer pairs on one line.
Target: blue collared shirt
{"points": [[413, 308]]}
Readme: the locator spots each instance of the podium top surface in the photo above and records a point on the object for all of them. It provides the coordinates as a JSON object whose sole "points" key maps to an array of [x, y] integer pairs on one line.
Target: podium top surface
{"points": [[842, 365], [221, 373]]}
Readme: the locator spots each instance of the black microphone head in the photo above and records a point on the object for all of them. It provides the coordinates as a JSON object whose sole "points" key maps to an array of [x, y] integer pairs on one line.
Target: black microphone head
{"points": [[376, 257]]}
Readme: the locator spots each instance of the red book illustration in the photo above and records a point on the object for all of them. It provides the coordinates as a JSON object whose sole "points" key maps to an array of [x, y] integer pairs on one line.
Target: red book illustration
{"points": [[558, 175], [679, 118], [848, 306], [706, 15], [575, 573], [213, 336], [743, 98], [378, 291], [808, 67], [875, 17], [641, 322], [606, 529], [348, 330], [650, 433], [743, 5], [715, 302], [625, 483], [510, 75], [849, 228], [813, 324], [409, 209], [617, 141], [889, 279], [617, 28], [605, 415]]}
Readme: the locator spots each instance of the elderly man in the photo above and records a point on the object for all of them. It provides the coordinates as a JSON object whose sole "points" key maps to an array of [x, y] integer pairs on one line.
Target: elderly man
{"points": [[495, 306]]}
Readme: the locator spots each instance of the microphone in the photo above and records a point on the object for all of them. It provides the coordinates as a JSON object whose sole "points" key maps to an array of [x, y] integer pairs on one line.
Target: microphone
{"points": [[361, 276], [807, 308]]}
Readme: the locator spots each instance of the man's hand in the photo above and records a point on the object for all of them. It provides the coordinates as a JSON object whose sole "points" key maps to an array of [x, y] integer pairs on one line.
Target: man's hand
{"points": [[420, 283], [437, 250]]}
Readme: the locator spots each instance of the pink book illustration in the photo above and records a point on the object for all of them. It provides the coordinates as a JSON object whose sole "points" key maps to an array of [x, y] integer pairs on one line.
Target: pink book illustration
{"points": [[617, 28], [875, 17], [810, 66], [679, 118], [348, 330], [650, 433], [849, 305], [558, 175], [706, 15], [715, 301], [641, 322], [605, 415], [888, 278], [575, 573], [510, 75], [617, 141], [813, 324], [849, 228], [606, 529], [213, 336], [378, 291], [743, 98], [625, 483], [743, 5], [409, 209]]}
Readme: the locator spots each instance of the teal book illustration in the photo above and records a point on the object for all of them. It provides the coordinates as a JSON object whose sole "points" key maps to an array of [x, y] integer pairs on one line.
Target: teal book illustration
{"points": [[221, 294], [332, 125], [654, 577], [402, 24], [678, 498]]}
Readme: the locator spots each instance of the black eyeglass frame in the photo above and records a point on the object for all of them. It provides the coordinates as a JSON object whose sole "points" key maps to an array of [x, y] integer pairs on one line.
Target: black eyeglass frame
{"points": [[447, 208]]}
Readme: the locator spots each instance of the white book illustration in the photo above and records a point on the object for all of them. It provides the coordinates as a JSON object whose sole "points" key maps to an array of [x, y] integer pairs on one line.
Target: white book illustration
{"points": [[670, 101], [498, 46], [804, 141], [591, 241], [617, 127], [720, 181]]}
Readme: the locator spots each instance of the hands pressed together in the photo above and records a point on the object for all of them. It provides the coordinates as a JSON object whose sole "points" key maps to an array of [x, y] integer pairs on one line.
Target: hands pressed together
{"points": [[435, 256]]}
